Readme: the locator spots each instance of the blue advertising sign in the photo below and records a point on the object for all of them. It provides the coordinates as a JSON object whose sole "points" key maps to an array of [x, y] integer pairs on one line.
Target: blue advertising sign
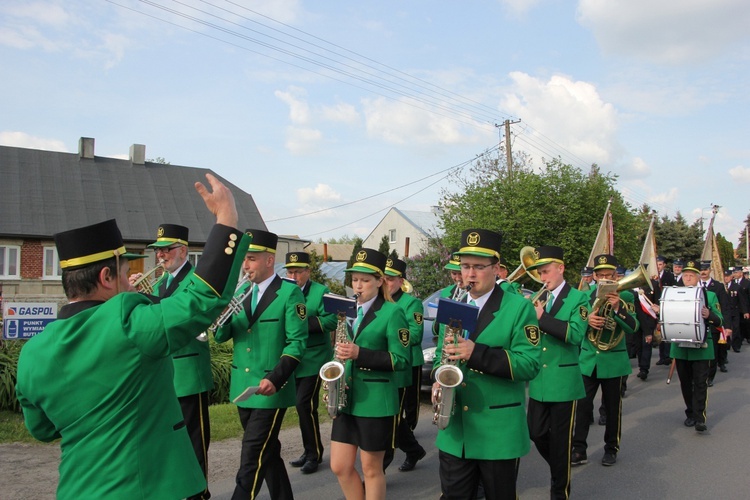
{"points": [[23, 320]]}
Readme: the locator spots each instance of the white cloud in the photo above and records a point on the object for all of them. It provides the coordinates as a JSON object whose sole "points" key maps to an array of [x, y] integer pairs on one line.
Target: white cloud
{"points": [[300, 141], [399, 123], [740, 174], [24, 140], [570, 113], [342, 112], [48, 13], [668, 198], [321, 195], [519, 6], [668, 31], [299, 110]]}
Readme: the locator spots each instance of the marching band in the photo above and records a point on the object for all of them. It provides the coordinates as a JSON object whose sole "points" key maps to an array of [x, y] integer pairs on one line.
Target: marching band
{"points": [[513, 370]]}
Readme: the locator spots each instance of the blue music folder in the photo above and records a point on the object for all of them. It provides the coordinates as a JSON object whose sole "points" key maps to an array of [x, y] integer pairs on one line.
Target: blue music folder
{"points": [[450, 311], [336, 304]]}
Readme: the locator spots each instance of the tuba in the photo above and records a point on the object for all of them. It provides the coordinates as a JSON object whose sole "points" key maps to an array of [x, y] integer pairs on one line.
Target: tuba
{"points": [[449, 376], [332, 373], [148, 282], [522, 274], [605, 338]]}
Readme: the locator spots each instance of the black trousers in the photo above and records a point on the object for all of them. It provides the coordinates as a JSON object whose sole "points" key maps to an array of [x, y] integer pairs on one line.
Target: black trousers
{"points": [[694, 385], [459, 477], [612, 402], [308, 392], [645, 352], [734, 324], [664, 348], [720, 355], [195, 412], [260, 458], [410, 416], [551, 430]]}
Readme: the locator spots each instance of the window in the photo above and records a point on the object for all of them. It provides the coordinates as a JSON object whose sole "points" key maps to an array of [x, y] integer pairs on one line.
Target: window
{"points": [[51, 264], [193, 258], [391, 236], [10, 261]]}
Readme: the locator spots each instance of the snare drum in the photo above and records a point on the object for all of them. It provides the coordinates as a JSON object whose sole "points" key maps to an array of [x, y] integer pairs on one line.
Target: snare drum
{"points": [[680, 315]]}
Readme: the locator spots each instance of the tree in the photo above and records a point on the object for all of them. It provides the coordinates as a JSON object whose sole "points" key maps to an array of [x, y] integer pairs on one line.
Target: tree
{"points": [[425, 271], [559, 205], [726, 252], [676, 239], [384, 247], [742, 246]]}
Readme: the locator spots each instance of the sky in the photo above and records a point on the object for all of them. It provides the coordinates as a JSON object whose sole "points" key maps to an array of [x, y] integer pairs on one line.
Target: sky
{"points": [[330, 113]]}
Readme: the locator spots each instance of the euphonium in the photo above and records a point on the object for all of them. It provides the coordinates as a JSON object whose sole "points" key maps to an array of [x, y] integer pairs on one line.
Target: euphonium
{"points": [[234, 307], [449, 376], [332, 373], [521, 274], [148, 282], [606, 338]]}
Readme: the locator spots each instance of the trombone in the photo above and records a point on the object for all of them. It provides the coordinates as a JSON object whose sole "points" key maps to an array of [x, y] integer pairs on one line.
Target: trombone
{"points": [[522, 274]]}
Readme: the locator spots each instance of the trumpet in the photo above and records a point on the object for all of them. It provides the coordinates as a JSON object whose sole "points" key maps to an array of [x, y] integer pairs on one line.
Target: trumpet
{"points": [[448, 376], [536, 298], [148, 282], [234, 307]]}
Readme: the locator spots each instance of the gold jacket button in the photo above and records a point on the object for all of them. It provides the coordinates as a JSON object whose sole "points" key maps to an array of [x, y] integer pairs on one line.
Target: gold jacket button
{"points": [[544, 348], [231, 244], [248, 349], [228, 251], [463, 384], [233, 237], [466, 408], [247, 370], [544, 365]]}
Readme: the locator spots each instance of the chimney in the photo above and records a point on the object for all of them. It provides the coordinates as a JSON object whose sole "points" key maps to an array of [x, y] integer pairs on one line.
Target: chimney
{"points": [[86, 148], [138, 154]]}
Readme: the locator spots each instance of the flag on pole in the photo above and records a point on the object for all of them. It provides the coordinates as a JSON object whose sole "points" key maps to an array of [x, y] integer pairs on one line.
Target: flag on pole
{"points": [[711, 250], [649, 253], [605, 238]]}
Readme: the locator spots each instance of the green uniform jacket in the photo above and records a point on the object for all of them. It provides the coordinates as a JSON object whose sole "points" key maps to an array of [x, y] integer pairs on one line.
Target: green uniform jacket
{"points": [[383, 340], [101, 378], [614, 362], [192, 363], [320, 324], [715, 320], [563, 329], [269, 344], [413, 309], [489, 422]]}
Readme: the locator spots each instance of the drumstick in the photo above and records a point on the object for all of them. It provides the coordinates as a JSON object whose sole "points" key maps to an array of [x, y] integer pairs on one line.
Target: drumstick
{"points": [[671, 370]]}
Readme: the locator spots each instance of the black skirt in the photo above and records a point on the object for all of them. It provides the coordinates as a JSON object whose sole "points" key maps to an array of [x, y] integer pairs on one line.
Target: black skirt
{"points": [[367, 433]]}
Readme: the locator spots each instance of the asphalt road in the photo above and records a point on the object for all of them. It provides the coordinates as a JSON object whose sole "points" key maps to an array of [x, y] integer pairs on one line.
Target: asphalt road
{"points": [[659, 457]]}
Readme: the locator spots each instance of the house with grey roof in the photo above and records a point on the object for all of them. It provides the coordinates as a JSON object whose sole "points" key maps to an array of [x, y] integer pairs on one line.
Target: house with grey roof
{"points": [[408, 231], [45, 192]]}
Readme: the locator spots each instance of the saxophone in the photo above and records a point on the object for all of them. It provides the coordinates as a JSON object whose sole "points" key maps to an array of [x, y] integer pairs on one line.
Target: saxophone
{"points": [[448, 375], [332, 373]]}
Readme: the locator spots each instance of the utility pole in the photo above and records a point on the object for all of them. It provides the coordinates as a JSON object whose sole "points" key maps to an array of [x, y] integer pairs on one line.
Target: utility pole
{"points": [[508, 154]]}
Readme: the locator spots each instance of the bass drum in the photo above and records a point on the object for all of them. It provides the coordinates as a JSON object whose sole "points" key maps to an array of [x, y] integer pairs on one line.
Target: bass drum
{"points": [[680, 315]]}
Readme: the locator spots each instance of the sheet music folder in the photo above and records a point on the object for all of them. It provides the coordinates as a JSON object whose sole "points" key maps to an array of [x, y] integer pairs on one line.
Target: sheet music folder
{"points": [[337, 304], [450, 310]]}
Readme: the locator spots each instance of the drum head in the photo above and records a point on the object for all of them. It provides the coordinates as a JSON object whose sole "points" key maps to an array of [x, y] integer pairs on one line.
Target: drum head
{"points": [[680, 314]]}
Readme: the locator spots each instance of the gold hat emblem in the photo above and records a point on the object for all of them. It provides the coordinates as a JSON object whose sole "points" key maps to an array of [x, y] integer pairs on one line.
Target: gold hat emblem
{"points": [[473, 239], [249, 233], [160, 232], [602, 260], [690, 263], [293, 258], [389, 263], [361, 256]]}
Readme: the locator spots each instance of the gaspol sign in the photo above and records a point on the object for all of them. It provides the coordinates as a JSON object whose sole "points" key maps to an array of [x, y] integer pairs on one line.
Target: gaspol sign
{"points": [[23, 320]]}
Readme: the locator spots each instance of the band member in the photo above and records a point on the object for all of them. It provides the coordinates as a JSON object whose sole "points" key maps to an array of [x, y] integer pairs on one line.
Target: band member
{"points": [[677, 266], [192, 364], [744, 284], [587, 279], [380, 347], [454, 291], [737, 302], [604, 367], [487, 434], [319, 325], [395, 277], [122, 431], [663, 275], [553, 393], [693, 364], [672, 279], [721, 346], [269, 336]]}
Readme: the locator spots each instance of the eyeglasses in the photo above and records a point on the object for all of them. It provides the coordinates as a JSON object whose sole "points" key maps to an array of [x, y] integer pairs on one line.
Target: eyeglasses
{"points": [[476, 267], [167, 250]]}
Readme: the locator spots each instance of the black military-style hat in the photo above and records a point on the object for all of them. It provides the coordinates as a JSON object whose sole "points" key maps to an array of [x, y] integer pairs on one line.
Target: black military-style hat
{"points": [[679, 262], [620, 270], [297, 259], [263, 241], [660, 258], [729, 271], [480, 243], [169, 234], [705, 264], [395, 267], [502, 262], [587, 271], [368, 261], [605, 261], [80, 247], [691, 265], [546, 255]]}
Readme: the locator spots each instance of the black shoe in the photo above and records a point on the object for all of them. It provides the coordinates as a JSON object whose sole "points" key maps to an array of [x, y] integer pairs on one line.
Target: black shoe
{"points": [[723, 369], [735, 350], [700, 426], [689, 422], [577, 458], [299, 462], [309, 467], [609, 459], [710, 382], [411, 462], [602, 420], [642, 375]]}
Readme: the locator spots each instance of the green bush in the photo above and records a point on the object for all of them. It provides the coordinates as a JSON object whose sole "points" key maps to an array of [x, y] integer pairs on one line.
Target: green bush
{"points": [[9, 352], [221, 366]]}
